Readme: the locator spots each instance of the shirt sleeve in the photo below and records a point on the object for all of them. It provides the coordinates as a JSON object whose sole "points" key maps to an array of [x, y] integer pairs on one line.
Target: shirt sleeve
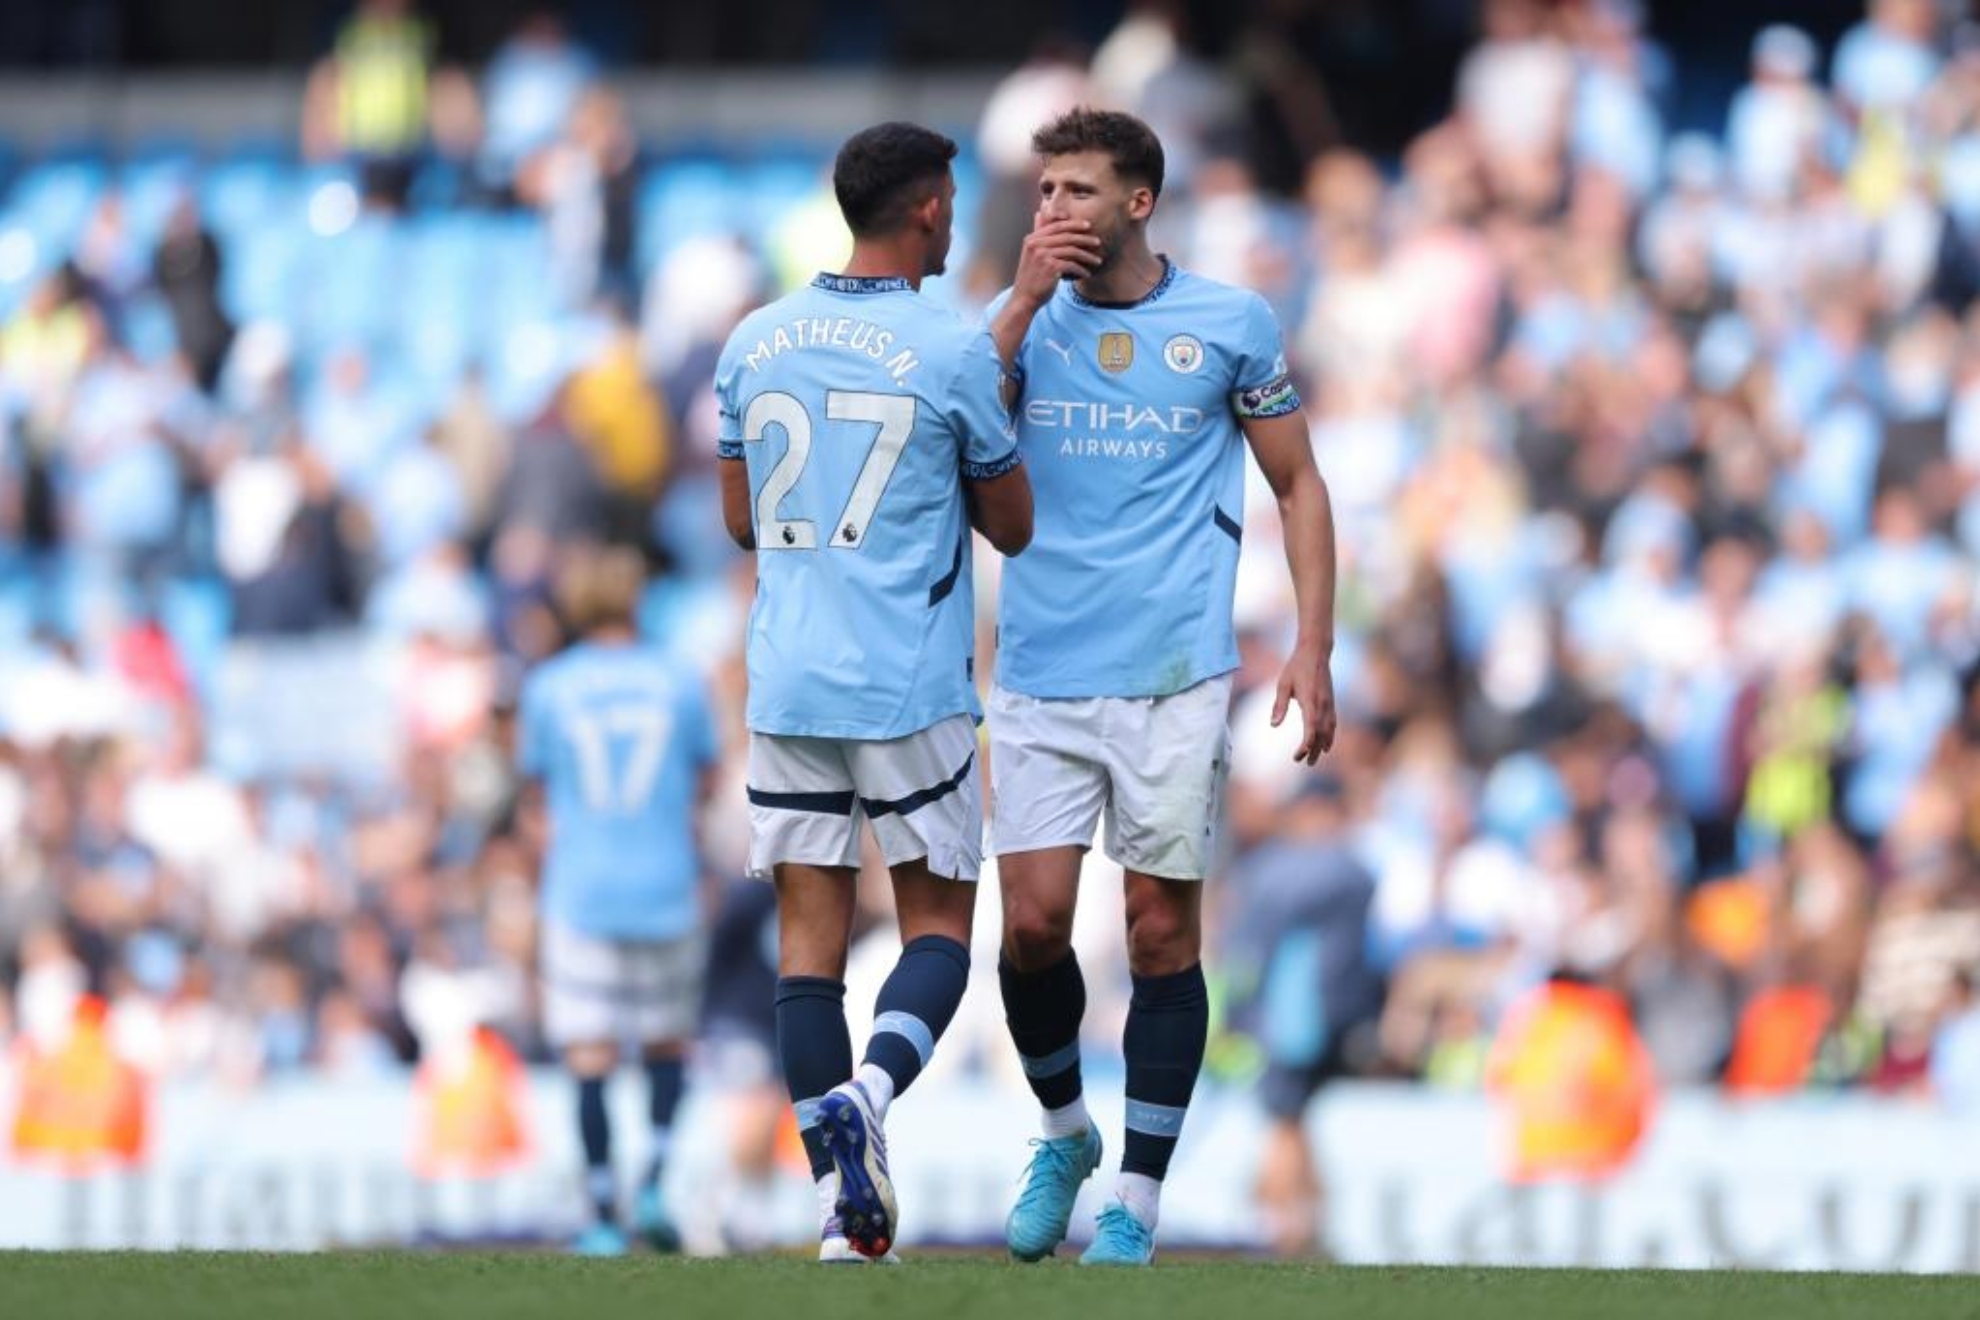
{"points": [[986, 442], [1263, 385], [728, 431]]}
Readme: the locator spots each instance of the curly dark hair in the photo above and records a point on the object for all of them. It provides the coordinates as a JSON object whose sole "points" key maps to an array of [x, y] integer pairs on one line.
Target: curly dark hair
{"points": [[1131, 145], [883, 172]]}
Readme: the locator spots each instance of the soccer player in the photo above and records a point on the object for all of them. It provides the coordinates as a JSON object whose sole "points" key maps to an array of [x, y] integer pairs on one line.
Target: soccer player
{"points": [[1136, 384], [622, 740], [865, 433]]}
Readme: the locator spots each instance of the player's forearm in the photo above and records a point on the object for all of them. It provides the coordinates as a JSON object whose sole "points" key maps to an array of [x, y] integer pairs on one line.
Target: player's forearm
{"points": [[1001, 509], [1007, 330], [1306, 513], [734, 478]]}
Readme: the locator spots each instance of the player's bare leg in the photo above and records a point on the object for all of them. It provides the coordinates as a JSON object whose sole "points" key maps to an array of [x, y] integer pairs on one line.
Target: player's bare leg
{"points": [[1164, 924], [1288, 1190], [815, 906], [929, 904], [1040, 894], [754, 1115]]}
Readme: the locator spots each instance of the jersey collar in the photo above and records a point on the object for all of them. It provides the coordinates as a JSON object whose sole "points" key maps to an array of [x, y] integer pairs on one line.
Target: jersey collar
{"points": [[1161, 287], [861, 283]]}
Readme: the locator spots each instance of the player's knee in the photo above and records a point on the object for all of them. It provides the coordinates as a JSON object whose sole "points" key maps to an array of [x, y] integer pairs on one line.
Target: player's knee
{"points": [[805, 952], [1035, 937], [1162, 939], [591, 1059], [663, 1051]]}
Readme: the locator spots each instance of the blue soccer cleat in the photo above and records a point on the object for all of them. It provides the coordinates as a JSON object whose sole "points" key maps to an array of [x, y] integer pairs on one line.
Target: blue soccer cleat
{"points": [[653, 1224], [1120, 1239], [601, 1240], [865, 1203], [1037, 1223]]}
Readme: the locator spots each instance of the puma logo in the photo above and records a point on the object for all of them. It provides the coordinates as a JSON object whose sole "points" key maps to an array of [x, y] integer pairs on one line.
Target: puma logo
{"points": [[1060, 349]]}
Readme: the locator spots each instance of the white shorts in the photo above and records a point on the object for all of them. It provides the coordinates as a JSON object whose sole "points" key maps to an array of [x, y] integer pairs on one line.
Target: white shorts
{"points": [[606, 991], [920, 793], [1156, 766]]}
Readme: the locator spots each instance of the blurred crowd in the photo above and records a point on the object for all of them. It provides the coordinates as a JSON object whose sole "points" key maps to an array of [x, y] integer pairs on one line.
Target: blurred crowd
{"points": [[1655, 458]]}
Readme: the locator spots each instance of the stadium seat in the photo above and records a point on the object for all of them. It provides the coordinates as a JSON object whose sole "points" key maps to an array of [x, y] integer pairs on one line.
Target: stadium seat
{"points": [[53, 199], [514, 276], [770, 189], [240, 195], [346, 276], [147, 328], [151, 180], [197, 612], [685, 199], [259, 269]]}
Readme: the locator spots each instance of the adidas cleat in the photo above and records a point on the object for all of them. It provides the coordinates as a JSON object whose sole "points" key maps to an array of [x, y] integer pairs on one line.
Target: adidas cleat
{"points": [[865, 1203], [833, 1249]]}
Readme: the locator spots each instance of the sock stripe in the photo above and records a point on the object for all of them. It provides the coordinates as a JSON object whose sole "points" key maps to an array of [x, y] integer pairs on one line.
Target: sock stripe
{"points": [[1155, 1120], [912, 1028], [1051, 1065]]}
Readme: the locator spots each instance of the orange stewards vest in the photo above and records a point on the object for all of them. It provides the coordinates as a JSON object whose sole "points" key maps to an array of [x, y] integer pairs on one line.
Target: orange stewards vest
{"points": [[1577, 1081], [80, 1107], [472, 1118]]}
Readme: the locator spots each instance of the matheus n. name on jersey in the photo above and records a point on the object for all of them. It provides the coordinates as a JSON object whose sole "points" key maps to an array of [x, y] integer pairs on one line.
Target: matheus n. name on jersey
{"points": [[1129, 424], [860, 407]]}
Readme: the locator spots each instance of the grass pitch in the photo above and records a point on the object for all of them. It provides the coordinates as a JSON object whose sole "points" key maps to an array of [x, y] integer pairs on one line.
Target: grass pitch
{"points": [[216, 1286]]}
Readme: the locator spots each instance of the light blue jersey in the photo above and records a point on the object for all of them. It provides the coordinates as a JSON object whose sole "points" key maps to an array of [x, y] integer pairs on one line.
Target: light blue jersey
{"points": [[620, 736], [860, 407], [1129, 427]]}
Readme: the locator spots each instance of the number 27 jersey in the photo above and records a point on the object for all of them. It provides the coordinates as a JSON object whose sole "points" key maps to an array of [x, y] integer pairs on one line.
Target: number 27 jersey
{"points": [[860, 407]]}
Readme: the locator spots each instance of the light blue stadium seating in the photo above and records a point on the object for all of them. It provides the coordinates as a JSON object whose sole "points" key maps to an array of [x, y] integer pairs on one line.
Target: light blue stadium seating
{"points": [[54, 199], [245, 192], [684, 199], [431, 292]]}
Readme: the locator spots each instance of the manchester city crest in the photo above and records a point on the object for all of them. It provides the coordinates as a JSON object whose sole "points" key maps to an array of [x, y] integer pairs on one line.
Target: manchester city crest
{"points": [[1184, 354], [1116, 351]]}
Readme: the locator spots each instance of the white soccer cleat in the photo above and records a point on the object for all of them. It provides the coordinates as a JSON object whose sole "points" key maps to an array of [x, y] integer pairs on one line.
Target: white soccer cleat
{"points": [[865, 1203], [833, 1249]]}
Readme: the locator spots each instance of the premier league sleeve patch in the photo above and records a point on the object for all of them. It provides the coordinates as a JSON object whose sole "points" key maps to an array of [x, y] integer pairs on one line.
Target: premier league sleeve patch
{"points": [[1275, 398]]}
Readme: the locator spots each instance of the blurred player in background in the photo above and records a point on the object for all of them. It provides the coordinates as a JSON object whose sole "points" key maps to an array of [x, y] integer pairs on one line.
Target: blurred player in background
{"points": [[1136, 385], [623, 742], [864, 434], [1303, 986], [737, 1060]]}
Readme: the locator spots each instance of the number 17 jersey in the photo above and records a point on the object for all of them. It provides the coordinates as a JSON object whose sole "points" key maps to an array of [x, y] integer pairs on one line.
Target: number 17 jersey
{"points": [[860, 407]]}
